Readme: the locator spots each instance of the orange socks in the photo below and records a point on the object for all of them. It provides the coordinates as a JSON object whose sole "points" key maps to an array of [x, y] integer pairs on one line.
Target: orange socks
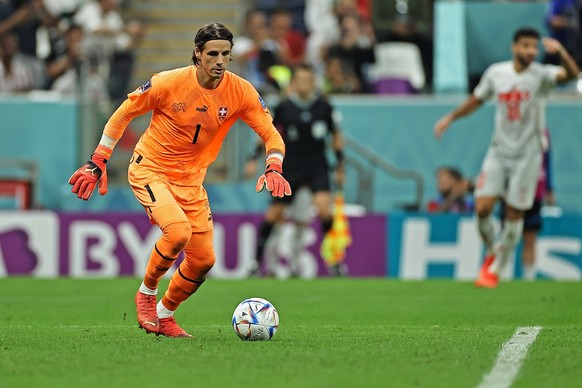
{"points": [[198, 260], [189, 276], [158, 265], [168, 247]]}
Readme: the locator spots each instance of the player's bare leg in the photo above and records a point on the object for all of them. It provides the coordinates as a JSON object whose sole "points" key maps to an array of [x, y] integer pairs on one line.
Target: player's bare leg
{"points": [[484, 208], [274, 214], [510, 236], [198, 260], [296, 248], [176, 232], [528, 254], [302, 215], [322, 203], [271, 251]]}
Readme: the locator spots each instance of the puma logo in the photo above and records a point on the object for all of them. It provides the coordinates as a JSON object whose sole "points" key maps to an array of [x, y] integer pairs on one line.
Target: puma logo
{"points": [[91, 170], [149, 323]]}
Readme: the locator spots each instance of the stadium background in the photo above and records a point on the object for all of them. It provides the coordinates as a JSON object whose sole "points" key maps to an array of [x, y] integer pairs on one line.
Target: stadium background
{"points": [[104, 237]]}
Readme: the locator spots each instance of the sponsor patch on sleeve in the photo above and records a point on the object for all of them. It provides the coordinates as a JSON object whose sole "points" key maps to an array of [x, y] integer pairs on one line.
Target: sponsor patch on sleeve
{"points": [[262, 103], [145, 87]]}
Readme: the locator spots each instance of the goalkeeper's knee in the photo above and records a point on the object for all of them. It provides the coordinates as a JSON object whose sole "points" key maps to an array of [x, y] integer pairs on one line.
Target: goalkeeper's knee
{"points": [[175, 237], [198, 262]]}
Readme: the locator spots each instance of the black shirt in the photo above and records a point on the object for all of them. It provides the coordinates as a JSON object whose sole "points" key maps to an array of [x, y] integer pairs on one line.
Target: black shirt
{"points": [[304, 126]]}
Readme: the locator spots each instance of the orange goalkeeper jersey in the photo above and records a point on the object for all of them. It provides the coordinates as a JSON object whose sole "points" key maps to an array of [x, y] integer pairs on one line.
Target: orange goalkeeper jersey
{"points": [[189, 123]]}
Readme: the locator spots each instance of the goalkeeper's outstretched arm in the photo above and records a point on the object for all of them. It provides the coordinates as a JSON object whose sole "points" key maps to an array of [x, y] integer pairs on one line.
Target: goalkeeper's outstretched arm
{"points": [[94, 172]]}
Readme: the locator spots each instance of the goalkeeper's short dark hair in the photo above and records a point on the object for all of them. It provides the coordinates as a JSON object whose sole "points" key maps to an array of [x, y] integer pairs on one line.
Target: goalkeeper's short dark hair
{"points": [[212, 31]]}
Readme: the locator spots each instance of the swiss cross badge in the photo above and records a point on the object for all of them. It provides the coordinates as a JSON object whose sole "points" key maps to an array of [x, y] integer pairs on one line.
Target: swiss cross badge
{"points": [[222, 112]]}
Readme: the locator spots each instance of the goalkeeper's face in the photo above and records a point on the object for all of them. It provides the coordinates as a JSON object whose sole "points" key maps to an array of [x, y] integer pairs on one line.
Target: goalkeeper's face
{"points": [[303, 83], [214, 58]]}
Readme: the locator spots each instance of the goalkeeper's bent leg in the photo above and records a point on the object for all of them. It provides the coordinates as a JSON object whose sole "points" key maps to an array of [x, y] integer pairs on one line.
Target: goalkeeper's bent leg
{"points": [[192, 272], [176, 233]]}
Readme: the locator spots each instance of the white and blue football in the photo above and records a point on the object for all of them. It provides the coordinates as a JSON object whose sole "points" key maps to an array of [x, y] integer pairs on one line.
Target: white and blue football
{"points": [[255, 319]]}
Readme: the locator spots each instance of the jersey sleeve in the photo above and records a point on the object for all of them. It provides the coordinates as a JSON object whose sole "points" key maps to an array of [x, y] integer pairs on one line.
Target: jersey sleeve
{"points": [[549, 77], [140, 101], [256, 114], [147, 96], [484, 90]]}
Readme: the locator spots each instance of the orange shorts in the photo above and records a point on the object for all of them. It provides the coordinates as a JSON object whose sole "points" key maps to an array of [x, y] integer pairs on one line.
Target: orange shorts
{"points": [[154, 191]]}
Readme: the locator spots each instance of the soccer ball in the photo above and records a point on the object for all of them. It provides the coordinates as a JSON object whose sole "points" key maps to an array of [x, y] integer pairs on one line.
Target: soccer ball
{"points": [[255, 319]]}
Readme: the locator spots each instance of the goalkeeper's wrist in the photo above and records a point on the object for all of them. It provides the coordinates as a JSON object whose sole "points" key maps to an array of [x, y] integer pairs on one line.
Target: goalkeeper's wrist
{"points": [[274, 155], [101, 155], [274, 158], [274, 163], [103, 152]]}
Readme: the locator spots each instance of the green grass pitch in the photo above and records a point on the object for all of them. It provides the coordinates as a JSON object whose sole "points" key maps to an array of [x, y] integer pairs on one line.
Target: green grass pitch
{"points": [[333, 333]]}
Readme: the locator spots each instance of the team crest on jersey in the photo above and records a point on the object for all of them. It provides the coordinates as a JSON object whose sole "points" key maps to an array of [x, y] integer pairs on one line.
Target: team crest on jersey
{"points": [[179, 107], [222, 112], [145, 87]]}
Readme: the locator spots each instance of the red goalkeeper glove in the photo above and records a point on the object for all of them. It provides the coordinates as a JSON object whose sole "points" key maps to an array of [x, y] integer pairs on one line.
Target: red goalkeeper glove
{"points": [[85, 179], [273, 179]]}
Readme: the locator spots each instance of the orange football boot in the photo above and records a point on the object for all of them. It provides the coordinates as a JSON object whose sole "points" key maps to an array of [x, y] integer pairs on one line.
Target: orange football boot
{"points": [[147, 315], [487, 263], [487, 279], [170, 328]]}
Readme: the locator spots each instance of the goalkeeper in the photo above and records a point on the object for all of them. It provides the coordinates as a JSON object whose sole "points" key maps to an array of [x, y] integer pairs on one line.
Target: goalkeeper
{"points": [[193, 110]]}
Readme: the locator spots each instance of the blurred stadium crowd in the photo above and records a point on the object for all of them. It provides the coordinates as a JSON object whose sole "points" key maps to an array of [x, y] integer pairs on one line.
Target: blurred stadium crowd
{"points": [[52, 44]]}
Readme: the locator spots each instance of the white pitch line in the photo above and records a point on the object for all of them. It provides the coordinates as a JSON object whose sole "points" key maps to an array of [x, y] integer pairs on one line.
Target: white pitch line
{"points": [[510, 358]]}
